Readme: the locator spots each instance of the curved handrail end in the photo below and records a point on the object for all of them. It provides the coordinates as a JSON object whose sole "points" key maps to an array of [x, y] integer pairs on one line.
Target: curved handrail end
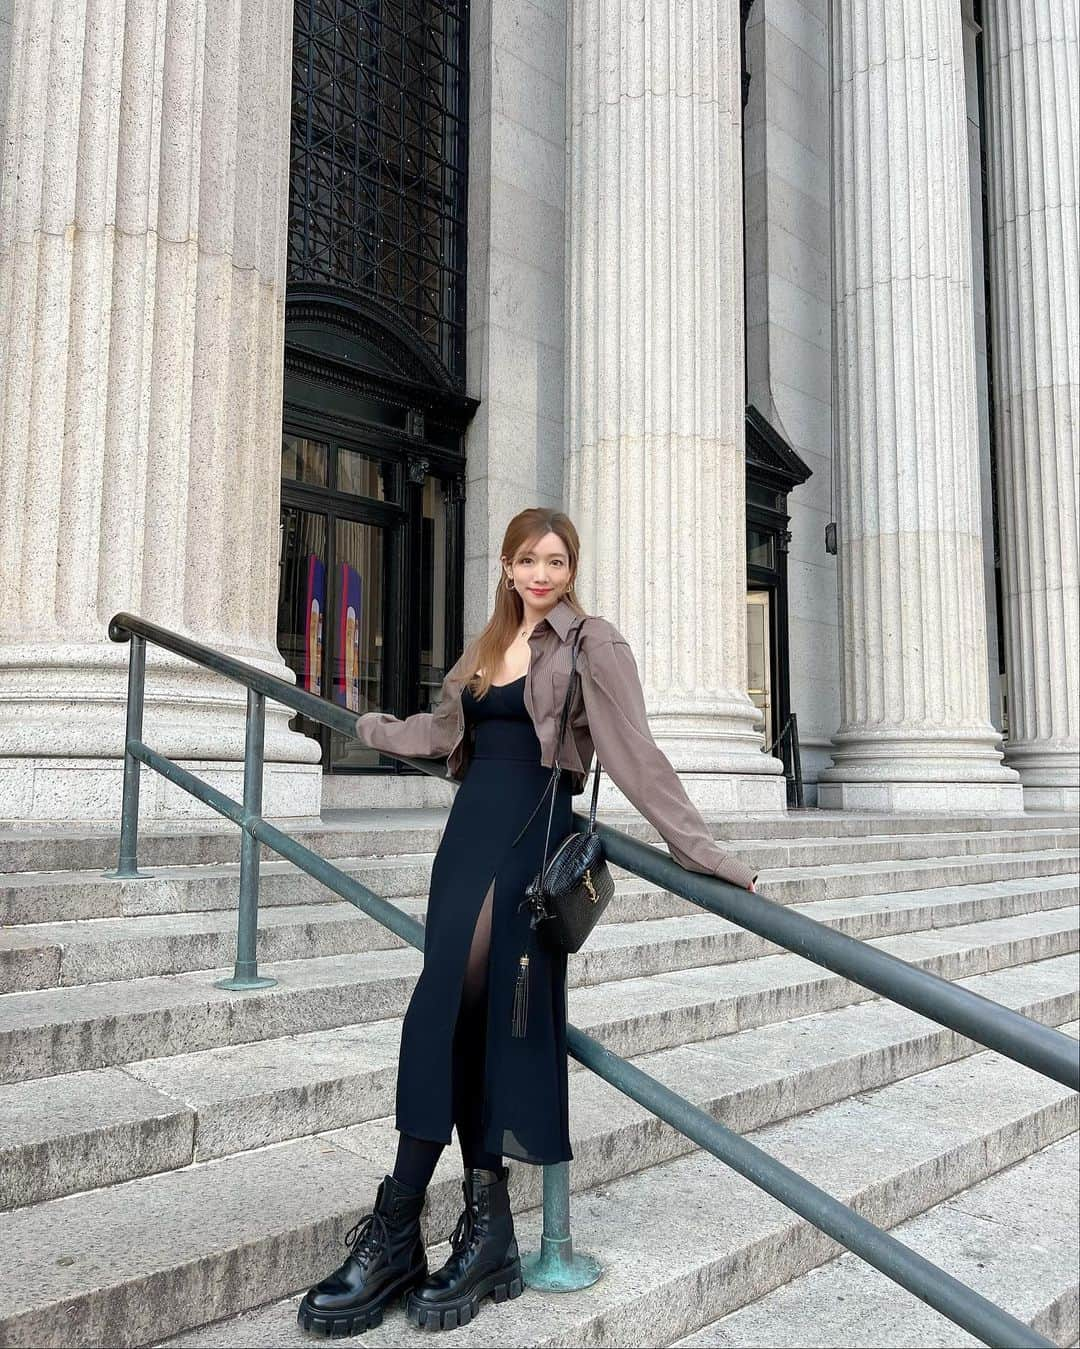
{"points": [[119, 627]]}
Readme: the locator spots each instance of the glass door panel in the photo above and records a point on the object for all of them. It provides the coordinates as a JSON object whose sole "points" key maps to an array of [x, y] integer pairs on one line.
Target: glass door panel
{"points": [[366, 605], [364, 475], [302, 596], [758, 658], [304, 460], [435, 657], [358, 673]]}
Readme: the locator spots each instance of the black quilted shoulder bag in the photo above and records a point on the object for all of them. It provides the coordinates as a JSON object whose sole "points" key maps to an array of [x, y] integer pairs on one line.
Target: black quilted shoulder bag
{"points": [[569, 893]]}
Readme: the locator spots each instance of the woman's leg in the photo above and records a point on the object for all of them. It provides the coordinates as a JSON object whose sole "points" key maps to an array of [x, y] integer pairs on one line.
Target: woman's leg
{"points": [[484, 1257], [416, 1161], [469, 1038], [417, 1157]]}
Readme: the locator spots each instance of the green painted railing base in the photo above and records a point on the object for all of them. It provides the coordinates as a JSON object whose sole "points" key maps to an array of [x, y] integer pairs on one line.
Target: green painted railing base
{"points": [[127, 875], [557, 1268], [244, 982]]}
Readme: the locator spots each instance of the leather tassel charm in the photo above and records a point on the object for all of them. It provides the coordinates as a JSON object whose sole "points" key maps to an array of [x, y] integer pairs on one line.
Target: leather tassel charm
{"points": [[521, 999]]}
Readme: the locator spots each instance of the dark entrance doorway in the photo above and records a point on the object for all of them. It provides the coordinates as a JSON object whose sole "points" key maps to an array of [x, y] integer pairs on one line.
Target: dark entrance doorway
{"points": [[372, 544], [339, 542], [772, 469], [375, 409]]}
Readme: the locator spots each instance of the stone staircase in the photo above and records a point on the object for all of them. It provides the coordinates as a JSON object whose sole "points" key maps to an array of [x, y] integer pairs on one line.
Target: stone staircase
{"points": [[176, 1161]]}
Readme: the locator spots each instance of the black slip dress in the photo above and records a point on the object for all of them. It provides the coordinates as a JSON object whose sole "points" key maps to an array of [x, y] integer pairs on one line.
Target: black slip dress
{"points": [[525, 1112]]}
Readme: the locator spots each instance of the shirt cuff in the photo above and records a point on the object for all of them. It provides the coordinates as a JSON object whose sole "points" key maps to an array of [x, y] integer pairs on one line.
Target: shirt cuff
{"points": [[738, 873]]}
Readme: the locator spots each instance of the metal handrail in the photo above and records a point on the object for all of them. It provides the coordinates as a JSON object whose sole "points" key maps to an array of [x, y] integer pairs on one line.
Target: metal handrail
{"points": [[1010, 1033], [1018, 1037], [790, 757]]}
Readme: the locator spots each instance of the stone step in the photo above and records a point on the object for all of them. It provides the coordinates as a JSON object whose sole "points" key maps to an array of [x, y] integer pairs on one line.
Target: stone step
{"points": [[1012, 1238], [687, 1006], [49, 955], [97, 950], [687, 1239], [89, 1129], [391, 832], [886, 914], [682, 1241], [789, 876], [780, 852], [672, 945], [32, 898], [842, 881], [63, 1030]]}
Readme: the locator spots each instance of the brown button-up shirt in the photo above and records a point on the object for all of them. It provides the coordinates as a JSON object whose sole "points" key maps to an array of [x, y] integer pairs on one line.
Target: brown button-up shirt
{"points": [[607, 715]]}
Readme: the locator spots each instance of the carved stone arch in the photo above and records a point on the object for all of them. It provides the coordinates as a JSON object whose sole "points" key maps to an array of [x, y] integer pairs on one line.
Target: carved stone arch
{"points": [[362, 332]]}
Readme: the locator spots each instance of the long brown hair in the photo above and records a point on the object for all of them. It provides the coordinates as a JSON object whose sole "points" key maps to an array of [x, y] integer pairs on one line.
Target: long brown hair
{"points": [[523, 532]]}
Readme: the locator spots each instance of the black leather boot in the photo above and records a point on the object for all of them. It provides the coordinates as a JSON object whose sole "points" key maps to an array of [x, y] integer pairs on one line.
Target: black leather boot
{"points": [[386, 1258], [483, 1260]]}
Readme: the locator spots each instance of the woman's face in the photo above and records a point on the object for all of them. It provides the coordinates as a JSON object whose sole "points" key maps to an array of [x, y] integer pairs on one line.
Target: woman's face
{"points": [[541, 572]]}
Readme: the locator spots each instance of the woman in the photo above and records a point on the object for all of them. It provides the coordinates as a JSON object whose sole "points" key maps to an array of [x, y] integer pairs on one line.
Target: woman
{"points": [[483, 1042]]}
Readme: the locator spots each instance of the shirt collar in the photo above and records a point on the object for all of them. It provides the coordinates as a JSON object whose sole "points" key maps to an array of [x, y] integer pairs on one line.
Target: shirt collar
{"points": [[561, 618]]}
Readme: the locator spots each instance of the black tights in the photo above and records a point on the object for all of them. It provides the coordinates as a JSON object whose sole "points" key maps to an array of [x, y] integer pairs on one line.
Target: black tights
{"points": [[417, 1157]]}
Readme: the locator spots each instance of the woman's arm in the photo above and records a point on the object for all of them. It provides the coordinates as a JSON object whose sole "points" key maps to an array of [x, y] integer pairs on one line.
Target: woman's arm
{"points": [[424, 735], [615, 706]]}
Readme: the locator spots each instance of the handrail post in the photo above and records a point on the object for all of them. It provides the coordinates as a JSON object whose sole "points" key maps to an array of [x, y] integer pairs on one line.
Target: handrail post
{"points": [[557, 1267], [127, 866], [789, 767], [246, 970], [796, 761]]}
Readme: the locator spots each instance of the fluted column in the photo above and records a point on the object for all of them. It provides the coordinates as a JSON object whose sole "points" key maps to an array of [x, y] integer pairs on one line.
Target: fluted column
{"points": [[655, 401], [142, 236], [1032, 143], [916, 733]]}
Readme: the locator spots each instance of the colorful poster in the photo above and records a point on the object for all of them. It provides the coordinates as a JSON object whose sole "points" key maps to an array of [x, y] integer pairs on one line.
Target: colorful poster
{"points": [[314, 609], [347, 658]]}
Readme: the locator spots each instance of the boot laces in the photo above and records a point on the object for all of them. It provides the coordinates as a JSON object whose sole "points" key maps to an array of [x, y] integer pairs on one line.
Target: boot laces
{"points": [[365, 1238], [466, 1226]]}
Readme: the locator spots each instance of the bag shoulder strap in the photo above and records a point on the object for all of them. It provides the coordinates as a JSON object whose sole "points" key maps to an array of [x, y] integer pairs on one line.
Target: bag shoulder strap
{"points": [[575, 675]]}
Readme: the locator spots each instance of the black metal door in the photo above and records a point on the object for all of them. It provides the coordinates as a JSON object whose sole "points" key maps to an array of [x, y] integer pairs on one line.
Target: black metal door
{"points": [[367, 611]]}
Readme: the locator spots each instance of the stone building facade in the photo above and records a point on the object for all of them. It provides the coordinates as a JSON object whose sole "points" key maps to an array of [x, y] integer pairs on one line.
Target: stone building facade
{"points": [[299, 303]]}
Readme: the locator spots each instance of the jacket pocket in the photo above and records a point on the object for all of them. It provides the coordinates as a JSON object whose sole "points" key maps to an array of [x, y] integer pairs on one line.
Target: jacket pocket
{"points": [[560, 682], [576, 715]]}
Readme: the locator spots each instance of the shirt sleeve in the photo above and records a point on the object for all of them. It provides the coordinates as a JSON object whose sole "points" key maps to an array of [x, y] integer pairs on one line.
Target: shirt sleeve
{"points": [[615, 706], [424, 735]]}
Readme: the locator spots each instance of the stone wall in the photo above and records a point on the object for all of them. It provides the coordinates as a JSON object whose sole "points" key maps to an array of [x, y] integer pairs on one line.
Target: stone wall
{"points": [[6, 7]]}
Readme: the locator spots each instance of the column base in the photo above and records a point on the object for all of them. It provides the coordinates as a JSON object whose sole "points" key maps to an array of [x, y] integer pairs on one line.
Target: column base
{"points": [[711, 792], [390, 791], [55, 791], [1052, 798], [922, 798], [1049, 768]]}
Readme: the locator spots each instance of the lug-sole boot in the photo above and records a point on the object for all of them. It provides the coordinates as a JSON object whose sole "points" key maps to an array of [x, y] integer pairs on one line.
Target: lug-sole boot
{"points": [[483, 1261], [386, 1259]]}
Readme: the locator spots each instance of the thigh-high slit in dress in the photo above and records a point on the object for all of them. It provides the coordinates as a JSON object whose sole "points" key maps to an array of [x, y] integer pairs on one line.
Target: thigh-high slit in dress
{"points": [[478, 879]]}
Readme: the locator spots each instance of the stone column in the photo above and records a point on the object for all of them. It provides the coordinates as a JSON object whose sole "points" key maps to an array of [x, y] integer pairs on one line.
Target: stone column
{"points": [[655, 472], [142, 238], [916, 733], [1032, 142]]}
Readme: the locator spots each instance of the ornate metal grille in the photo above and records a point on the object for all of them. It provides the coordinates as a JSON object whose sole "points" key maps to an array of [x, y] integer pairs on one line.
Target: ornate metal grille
{"points": [[378, 167]]}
